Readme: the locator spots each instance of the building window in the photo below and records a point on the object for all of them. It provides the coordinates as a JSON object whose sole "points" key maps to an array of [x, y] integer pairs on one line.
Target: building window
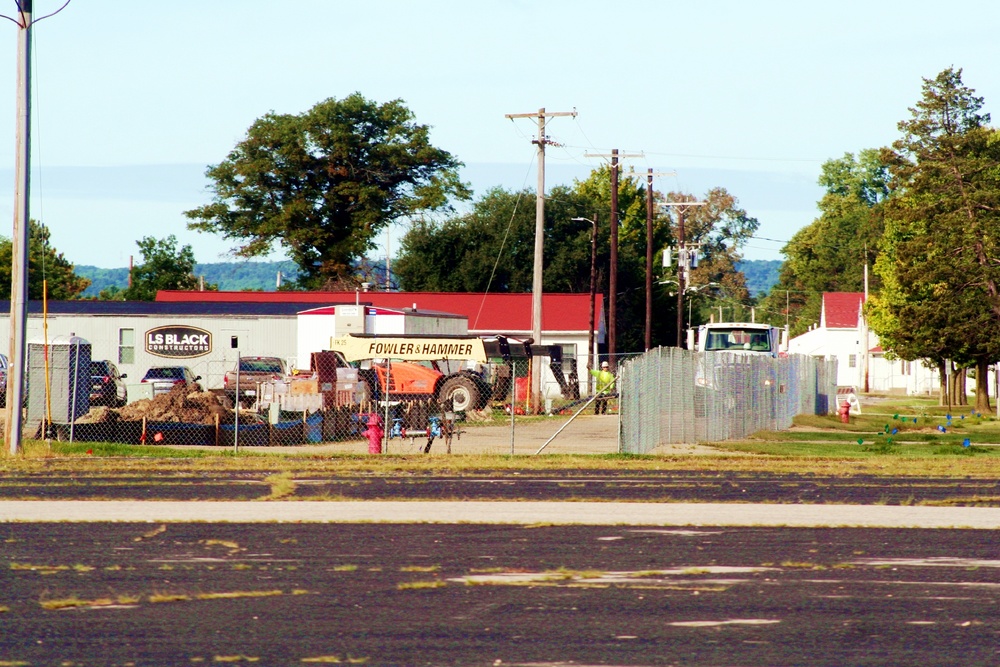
{"points": [[852, 361], [126, 346]]}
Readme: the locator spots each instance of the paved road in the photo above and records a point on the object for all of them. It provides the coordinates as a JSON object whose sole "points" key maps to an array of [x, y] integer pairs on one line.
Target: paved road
{"points": [[563, 485], [169, 594], [492, 582]]}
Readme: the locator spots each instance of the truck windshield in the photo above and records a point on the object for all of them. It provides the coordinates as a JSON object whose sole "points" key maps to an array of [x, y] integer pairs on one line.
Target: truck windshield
{"points": [[737, 339]]}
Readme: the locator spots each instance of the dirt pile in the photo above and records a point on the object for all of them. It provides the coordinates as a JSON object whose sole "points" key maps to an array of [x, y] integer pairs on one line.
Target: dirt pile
{"points": [[184, 403]]}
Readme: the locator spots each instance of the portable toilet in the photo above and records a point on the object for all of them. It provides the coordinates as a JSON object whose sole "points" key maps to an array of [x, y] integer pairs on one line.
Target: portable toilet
{"points": [[69, 380]]}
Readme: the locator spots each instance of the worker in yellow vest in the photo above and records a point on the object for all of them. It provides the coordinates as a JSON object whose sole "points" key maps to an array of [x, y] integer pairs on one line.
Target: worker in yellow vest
{"points": [[605, 388]]}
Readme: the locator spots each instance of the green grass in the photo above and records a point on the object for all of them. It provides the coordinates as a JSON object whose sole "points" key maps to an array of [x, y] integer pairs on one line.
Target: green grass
{"points": [[815, 444]]}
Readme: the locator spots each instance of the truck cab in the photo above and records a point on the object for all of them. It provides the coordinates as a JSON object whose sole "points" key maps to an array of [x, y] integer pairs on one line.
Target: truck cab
{"points": [[739, 337]]}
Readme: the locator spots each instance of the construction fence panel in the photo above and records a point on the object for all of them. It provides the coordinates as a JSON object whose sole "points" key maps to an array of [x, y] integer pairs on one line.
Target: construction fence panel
{"points": [[674, 396]]}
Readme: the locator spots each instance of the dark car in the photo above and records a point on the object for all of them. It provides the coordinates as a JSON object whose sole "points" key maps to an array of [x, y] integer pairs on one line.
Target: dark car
{"points": [[163, 378], [106, 386]]}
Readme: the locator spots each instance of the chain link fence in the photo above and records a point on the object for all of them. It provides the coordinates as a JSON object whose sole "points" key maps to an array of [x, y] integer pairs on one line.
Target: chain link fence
{"points": [[385, 406], [676, 396], [665, 396]]}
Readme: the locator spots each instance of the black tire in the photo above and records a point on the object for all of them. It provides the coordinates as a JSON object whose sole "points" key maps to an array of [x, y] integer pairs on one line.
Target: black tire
{"points": [[463, 393]]}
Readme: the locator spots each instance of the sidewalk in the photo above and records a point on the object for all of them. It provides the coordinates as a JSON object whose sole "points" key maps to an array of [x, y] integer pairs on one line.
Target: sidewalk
{"points": [[519, 513]]}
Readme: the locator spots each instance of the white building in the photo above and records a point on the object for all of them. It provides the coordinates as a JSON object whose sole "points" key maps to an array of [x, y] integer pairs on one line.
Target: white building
{"points": [[842, 333], [207, 330], [207, 337]]}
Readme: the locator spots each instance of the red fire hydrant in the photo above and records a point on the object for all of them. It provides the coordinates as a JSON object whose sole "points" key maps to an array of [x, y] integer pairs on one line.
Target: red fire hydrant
{"points": [[845, 412], [375, 433]]}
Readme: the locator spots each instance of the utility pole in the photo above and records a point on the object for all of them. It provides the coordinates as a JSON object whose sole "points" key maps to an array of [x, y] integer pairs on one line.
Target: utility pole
{"points": [[591, 361], [536, 281], [388, 260], [613, 280], [649, 252], [613, 270], [686, 260], [682, 265], [19, 245]]}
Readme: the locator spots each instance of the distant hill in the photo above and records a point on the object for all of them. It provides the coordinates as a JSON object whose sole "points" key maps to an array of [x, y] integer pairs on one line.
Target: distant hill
{"points": [[230, 276], [761, 274]]}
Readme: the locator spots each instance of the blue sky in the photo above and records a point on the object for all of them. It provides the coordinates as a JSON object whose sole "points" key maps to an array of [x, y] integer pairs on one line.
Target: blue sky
{"points": [[133, 100]]}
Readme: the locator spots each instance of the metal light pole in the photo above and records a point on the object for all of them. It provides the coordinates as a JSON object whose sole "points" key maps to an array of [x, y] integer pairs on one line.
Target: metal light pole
{"points": [[695, 290], [593, 298]]}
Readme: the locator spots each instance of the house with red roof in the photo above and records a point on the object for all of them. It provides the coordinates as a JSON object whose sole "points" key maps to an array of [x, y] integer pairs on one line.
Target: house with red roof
{"points": [[861, 363]]}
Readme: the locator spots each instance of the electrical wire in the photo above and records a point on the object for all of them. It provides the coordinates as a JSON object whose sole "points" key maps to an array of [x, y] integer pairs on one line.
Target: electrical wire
{"points": [[503, 243], [20, 12], [37, 138]]}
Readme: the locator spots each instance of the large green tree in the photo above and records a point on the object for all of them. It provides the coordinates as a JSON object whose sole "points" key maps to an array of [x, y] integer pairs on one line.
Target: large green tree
{"points": [[46, 266], [164, 266], [829, 255], [940, 261], [324, 183]]}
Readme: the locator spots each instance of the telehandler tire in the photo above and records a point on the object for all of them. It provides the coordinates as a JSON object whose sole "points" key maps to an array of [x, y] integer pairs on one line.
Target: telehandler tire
{"points": [[463, 393]]}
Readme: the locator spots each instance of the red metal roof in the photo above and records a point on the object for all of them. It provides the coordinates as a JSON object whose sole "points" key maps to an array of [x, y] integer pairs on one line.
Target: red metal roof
{"points": [[842, 310], [486, 312]]}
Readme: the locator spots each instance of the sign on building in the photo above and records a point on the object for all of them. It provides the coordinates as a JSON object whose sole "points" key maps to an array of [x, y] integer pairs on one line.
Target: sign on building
{"points": [[178, 342]]}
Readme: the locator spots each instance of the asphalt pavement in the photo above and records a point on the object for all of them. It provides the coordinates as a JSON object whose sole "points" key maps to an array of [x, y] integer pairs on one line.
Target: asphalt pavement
{"points": [[166, 594]]}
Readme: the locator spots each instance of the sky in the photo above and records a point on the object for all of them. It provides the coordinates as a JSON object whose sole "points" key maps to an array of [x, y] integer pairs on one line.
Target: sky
{"points": [[132, 101]]}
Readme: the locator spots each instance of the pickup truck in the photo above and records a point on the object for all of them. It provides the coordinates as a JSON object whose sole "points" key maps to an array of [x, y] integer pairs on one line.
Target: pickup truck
{"points": [[253, 371]]}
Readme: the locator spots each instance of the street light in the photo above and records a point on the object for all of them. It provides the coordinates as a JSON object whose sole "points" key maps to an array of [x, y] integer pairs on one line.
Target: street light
{"points": [[690, 289], [593, 296], [695, 290]]}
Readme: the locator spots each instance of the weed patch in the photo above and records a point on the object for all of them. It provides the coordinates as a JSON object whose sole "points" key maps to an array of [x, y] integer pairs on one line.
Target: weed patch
{"points": [[419, 585], [282, 485], [237, 594]]}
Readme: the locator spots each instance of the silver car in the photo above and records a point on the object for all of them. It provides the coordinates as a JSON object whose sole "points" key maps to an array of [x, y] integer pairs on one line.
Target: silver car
{"points": [[165, 378]]}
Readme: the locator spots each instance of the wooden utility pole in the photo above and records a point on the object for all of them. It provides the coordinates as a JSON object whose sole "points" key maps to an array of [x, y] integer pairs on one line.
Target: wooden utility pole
{"points": [[613, 270], [649, 252], [684, 261], [613, 279], [648, 340], [536, 281], [591, 361], [19, 245]]}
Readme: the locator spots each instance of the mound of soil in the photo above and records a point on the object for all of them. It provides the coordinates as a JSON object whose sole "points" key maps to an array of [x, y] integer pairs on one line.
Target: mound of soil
{"points": [[184, 403]]}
